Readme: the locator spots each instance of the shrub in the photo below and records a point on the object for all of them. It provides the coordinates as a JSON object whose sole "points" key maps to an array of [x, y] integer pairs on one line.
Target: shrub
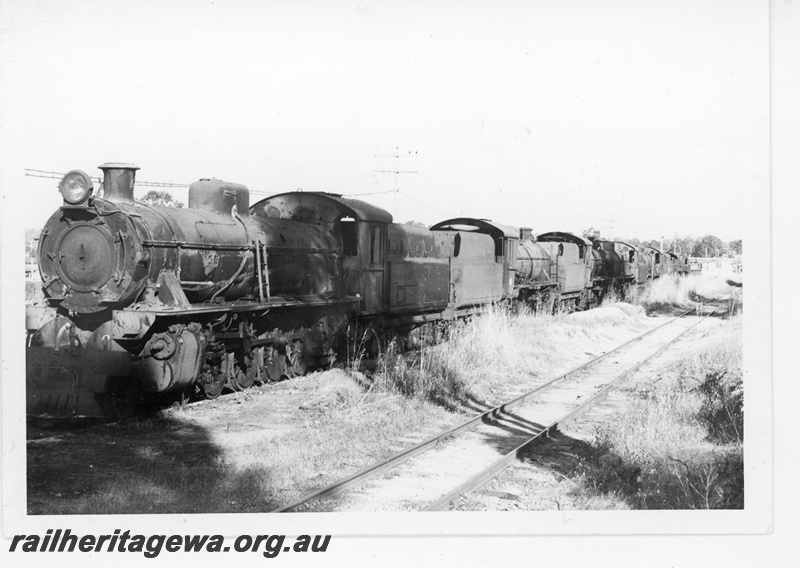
{"points": [[722, 412], [711, 481], [678, 445]]}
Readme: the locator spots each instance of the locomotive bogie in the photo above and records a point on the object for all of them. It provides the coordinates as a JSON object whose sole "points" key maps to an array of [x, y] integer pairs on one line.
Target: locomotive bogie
{"points": [[171, 360]]}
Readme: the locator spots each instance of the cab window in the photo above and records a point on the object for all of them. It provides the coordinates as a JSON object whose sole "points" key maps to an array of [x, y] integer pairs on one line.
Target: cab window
{"points": [[349, 237], [375, 250]]}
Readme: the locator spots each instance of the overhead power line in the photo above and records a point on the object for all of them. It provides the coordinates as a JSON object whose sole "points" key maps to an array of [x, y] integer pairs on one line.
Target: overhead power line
{"points": [[56, 175], [371, 193], [422, 204], [30, 172]]}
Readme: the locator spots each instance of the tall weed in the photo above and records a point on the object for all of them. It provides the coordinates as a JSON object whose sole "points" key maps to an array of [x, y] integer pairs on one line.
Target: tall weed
{"points": [[672, 292]]}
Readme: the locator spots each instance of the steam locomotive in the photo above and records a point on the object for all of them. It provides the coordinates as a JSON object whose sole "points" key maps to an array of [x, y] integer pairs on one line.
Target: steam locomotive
{"points": [[142, 300]]}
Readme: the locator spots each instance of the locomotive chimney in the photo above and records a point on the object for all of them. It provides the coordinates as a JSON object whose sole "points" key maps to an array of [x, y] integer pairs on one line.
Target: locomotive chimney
{"points": [[118, 181], [524, 233]]}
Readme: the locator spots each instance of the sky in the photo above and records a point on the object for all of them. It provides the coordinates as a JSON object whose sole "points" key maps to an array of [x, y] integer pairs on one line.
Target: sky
{"points": [[640, 118]]}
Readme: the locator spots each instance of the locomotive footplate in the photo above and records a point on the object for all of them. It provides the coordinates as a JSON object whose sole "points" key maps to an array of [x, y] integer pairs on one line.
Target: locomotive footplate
{"points": [[134, 323]]}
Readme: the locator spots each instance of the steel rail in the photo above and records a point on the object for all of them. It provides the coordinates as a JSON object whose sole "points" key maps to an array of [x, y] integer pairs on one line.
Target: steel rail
{"points": [[405, 455], [449, 500]]}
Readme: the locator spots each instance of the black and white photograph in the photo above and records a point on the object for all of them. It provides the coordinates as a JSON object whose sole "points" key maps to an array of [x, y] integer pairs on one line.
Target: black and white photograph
{"points": [[296, 276]]}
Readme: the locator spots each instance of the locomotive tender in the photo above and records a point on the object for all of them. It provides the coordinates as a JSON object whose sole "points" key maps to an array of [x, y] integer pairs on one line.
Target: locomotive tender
{"points": [[143, 300]]}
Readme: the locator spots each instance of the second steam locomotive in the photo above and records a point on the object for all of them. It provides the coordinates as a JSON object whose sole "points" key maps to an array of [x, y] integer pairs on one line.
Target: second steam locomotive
{"points": [[142, 300]]}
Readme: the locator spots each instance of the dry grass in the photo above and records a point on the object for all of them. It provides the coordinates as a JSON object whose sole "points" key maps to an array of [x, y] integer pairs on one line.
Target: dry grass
{"points": [[342, 430], [498, 353]]}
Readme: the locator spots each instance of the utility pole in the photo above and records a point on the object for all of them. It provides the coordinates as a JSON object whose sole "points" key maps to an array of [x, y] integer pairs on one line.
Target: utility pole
{"points": [[610, 222], [397, 171]]}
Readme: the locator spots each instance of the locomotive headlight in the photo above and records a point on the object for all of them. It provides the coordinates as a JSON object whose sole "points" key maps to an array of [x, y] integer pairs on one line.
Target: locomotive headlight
{"points": [[76, 187]]}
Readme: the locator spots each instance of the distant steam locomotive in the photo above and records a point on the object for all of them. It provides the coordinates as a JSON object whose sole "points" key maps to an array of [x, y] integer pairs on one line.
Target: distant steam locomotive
{"points": [[143, 300]]}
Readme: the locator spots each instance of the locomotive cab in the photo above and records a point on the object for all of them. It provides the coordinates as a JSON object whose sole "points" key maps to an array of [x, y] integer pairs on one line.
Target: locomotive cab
{"points": [[571, 265], [653, 258], [611, 265], [571, 259], [635, 266], [358, 229]]}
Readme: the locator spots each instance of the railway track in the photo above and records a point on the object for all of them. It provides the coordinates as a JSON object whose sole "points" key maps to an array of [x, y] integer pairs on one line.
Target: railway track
{"points": [[469, 455]]}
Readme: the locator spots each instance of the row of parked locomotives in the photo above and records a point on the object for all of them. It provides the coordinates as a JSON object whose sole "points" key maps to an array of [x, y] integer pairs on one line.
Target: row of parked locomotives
{"points": [[141, 300]]}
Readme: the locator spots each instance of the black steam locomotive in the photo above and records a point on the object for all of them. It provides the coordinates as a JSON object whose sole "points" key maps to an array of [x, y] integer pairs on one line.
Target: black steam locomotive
{"points": [[143, 300]]}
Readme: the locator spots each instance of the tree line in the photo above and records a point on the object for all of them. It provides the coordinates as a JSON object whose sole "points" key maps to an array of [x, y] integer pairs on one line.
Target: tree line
{"points": [[707, 246]]}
